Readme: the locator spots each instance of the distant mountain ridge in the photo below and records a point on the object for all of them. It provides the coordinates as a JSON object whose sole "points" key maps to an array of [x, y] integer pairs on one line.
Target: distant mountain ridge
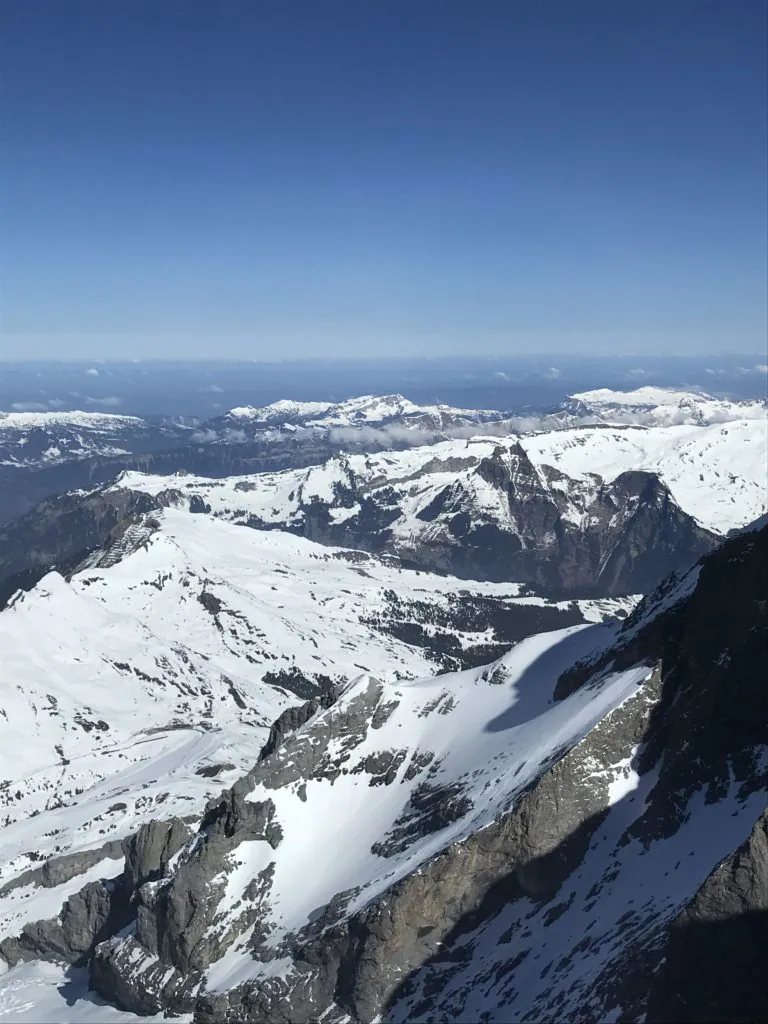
{"points": [[46, 453], [602, 509], [46, 438], [478, 510]]}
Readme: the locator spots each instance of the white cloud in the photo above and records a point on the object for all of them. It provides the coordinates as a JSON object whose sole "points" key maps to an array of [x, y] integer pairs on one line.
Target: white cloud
{"points": [[638, 373], [56, 403], [552, 373], [29, 407], [92, 372], [500, 375], [109, 402], [758, 370]]}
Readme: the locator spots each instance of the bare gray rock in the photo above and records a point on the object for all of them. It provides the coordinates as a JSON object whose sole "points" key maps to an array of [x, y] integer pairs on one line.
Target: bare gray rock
{"points": [[149, 850], [717, 949], [86, 919]]}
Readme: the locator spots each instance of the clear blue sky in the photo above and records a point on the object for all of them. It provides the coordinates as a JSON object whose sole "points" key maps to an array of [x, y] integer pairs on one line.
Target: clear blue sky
{"points": [[222, 178]]}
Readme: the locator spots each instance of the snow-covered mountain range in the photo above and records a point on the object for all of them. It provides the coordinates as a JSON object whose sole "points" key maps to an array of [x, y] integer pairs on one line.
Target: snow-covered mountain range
{"points": [[152, 677], [715, 473], [534, 839], [47, 453], [646, 406], [382, 411], [608, 508], [309, 720]]}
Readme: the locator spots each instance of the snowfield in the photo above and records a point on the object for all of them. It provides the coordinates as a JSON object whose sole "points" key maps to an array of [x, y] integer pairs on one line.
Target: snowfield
{"points": [[665, 407], [97, 421], [717, 473]]}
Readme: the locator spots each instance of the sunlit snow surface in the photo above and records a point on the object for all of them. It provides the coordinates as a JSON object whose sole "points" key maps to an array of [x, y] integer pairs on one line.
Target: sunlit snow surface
{"points": [[716, 473], [117, 691], [121, 687], [42, 993]]}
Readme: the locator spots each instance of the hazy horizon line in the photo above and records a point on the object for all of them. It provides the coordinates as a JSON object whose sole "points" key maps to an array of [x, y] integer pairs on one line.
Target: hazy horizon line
{"points": [[482, 357]]}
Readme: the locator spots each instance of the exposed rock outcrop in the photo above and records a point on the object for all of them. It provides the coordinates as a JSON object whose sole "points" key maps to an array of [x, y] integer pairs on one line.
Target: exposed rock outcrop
{"points": [[89, 917]]}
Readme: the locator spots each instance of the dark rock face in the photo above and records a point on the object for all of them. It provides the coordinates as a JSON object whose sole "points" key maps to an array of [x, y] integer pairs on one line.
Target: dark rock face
{"points": [[705, 734], [176, 916], [632, 536], [149, 850], [292, 719], [86, 919], [61, 532], [357, 963], [61, 869], [717, 948], [712, 722]]}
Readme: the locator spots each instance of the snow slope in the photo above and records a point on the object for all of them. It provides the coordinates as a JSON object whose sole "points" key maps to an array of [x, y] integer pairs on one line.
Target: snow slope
{"points": [[40, 439], [489, 732], [717, 473], [385, 819], [176, 653], [43, 993], [505, 843], [662, 407]]}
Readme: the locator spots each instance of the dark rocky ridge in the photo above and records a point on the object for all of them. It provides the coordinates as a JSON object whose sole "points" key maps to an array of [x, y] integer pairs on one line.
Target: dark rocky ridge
{"points": [[717, 947], [706, 733]]}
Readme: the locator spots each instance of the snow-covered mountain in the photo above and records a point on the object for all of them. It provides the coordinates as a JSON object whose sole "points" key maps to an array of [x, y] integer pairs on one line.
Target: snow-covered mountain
{"points": [[482, 512], [44, 439], [531, 840], [716, 473], [382, 411], [568, 508], [650, 406], [49, 438], [646, 406], [49, 453], [44, 453], [153, 676]]}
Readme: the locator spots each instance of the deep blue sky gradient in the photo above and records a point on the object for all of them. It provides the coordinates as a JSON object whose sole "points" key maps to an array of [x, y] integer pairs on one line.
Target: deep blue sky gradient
{"points": [[252, 179]]}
